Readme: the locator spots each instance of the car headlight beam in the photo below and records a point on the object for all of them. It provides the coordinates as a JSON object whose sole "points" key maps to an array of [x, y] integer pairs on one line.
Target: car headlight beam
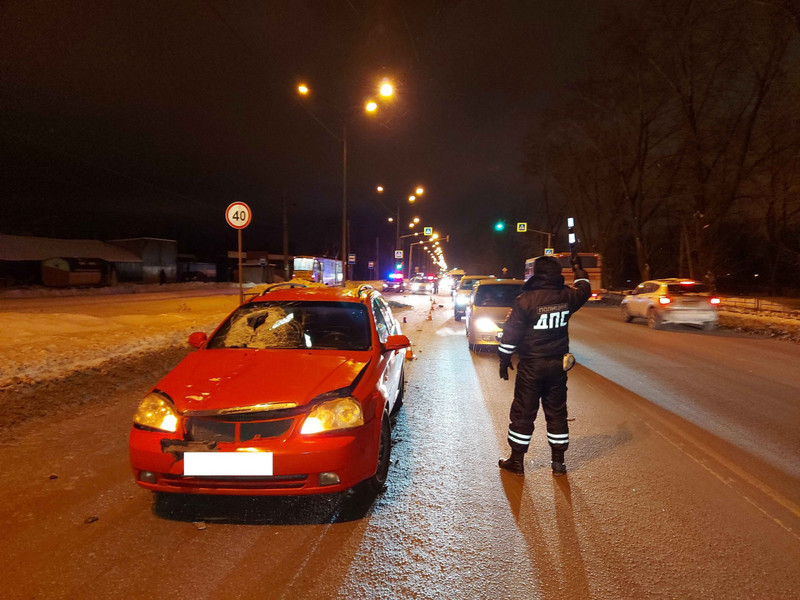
{"points": [[485, 325], [156, 412], [340, 413]]}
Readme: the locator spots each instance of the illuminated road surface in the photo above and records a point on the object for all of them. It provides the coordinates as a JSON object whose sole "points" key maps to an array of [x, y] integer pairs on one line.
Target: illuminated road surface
{"points": [[679, 486]]}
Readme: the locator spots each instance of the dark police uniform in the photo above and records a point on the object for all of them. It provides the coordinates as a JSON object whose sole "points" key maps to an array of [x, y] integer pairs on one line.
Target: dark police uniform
{"points": [[536, 329]]}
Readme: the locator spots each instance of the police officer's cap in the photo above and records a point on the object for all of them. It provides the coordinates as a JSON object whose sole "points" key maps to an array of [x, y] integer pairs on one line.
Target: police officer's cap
{"points": [[546, 265]]}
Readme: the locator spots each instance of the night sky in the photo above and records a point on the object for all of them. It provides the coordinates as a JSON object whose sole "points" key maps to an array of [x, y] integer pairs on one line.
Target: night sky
{"points": [[123, 119]]}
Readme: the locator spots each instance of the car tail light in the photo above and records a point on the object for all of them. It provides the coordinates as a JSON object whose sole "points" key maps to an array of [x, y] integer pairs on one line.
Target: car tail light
{"points": [[594, 294], [714, 300], [664, 299]]}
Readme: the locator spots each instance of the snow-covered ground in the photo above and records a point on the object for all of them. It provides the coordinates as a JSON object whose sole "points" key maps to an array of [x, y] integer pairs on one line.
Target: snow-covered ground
{"points": [[46, 334]]}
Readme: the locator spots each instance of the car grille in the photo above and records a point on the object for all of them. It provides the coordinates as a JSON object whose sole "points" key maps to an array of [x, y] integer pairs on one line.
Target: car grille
{"points": [[216, 429], [275, 482]]}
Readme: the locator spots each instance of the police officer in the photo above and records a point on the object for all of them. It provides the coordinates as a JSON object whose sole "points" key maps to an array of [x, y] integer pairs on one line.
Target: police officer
{"points": [[536, 329]]}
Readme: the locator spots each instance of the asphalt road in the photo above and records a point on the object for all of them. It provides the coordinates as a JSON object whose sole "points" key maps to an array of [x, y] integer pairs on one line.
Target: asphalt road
{"points": [[682, 483]]}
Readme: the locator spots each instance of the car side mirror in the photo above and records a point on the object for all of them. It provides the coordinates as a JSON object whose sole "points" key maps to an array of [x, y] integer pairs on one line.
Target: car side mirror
{"points": [[396, 342], [197, 339]]}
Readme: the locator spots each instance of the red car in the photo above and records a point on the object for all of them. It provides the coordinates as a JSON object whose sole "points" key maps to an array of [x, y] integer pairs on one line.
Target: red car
{"points": [[292, 394]]}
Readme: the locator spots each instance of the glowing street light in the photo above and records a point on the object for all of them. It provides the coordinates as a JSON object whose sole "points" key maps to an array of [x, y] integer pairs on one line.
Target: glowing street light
{"points": [[304, 90]]}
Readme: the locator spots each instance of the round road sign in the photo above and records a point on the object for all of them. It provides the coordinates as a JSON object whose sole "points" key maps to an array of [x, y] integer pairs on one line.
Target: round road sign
{"points": [[238, 215]]}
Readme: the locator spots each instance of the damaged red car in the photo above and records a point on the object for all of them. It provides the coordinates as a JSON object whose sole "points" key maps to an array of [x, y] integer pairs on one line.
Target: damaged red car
{"points": [[293, 393]]}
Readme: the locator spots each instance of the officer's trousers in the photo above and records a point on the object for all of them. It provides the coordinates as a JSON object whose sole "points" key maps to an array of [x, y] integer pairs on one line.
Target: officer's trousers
{"points": [[545, 379]]}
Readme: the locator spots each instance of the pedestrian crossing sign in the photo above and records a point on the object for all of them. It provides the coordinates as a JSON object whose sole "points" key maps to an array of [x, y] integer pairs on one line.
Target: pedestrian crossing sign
{"points": [[427, 231], [522, 227], [549, 252]]}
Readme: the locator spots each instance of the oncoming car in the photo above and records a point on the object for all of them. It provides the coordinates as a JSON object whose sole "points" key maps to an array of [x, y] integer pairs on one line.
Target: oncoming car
{"points": [[463, 292], [292, 394], [491, 301], [420, 284], [666, 301]]}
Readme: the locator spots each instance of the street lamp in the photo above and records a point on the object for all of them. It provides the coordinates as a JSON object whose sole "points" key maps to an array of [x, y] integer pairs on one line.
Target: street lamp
{"points": [[418, 191], [386, 90]]}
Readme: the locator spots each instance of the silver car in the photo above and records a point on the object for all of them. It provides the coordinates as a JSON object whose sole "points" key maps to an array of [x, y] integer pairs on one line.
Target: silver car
{"points": [[463, 293], [665, 301], [490, 303]]}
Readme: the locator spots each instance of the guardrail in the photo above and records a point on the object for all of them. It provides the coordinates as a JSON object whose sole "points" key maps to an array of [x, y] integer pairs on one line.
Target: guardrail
{"points": [[760, 304]]}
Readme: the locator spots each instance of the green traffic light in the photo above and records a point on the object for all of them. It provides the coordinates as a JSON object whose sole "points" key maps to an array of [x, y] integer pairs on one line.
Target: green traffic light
{"points": [[499, 226]]}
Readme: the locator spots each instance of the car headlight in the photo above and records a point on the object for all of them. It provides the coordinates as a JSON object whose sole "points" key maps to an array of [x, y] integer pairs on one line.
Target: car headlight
{"points": [[340, 413], [461, 300], [415, 286], [156, 412], [485, 325]]}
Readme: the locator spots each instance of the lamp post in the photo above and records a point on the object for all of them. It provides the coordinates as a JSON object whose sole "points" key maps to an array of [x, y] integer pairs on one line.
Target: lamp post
{"points": [[386, 90]]}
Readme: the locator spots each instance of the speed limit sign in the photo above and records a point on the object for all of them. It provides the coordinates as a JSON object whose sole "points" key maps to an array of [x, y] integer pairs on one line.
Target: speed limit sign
{"points": [[238, 215]]}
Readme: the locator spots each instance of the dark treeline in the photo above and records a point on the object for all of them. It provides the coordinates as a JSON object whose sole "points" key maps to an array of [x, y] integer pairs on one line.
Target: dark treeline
{"points": [[679, 153]]}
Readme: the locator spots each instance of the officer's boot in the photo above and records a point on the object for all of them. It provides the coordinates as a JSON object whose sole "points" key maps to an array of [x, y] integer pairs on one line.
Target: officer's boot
{"points": [[514, 463], [559, 468]]}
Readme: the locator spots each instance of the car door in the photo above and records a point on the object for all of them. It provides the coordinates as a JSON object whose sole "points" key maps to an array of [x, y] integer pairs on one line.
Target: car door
{"points": [[635, 301], [392, 359]]}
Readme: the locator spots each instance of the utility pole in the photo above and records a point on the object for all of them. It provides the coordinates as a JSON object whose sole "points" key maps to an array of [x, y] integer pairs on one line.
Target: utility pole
{"points": [[286, 270]]}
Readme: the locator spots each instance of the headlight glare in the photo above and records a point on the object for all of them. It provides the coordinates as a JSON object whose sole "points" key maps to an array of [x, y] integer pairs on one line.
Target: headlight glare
{"points": [[461, 300], [340, 413], [156, 412], [486, 325]]}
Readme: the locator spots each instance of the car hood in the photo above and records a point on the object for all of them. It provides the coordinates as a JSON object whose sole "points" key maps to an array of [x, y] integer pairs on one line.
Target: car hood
{"points": [[227, 378]]}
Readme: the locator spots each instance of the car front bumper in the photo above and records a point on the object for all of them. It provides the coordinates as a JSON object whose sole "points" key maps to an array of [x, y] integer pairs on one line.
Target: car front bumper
{"points": [[298, 461]]}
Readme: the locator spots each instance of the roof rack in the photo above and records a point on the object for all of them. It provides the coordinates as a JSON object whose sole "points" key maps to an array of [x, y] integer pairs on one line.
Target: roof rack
{"points": [[364, 287], [285, 284]]}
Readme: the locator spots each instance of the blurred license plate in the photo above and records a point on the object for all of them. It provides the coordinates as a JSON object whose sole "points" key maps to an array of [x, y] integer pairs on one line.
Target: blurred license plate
{"points": [[230, 464]]}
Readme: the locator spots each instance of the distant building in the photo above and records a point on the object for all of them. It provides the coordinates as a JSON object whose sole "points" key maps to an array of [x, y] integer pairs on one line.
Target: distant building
{"points": [[159, 260], [29, 260]]}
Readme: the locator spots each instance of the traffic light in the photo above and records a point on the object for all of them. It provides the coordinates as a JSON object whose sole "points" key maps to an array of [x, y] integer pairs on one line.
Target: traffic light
{"points": [[399, 266], [500, 226]]}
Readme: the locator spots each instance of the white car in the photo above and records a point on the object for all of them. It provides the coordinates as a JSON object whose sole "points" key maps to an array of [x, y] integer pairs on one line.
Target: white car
{"points": [[667, 301], [420, 285], [491, 301]]}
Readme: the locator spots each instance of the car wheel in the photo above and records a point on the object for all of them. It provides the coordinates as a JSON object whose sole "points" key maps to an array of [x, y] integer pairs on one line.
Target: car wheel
{"points": [[626, 314], [653, 321], [377, 483]]}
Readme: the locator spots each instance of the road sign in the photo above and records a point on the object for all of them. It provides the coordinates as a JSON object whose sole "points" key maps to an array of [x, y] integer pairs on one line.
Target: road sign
{"points": [[549, 251], [262, 262], [371, 264], [427, 231], [522, 227], [351, 259], [238, 215], [398, 254]]}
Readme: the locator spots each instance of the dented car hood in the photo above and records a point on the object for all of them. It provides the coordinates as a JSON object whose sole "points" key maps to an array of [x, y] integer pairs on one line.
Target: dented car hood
{"points": [[226, 378]]}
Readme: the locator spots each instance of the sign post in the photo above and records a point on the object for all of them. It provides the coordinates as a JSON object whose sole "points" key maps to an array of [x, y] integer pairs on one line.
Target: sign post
{"points": [[238, 216]]}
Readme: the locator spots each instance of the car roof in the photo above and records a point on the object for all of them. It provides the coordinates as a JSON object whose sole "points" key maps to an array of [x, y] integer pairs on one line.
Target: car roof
{"points": [[501, 282], [315, 293]]}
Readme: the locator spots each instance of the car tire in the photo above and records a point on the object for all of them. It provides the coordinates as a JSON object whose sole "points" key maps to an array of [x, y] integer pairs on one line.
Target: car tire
{"points": [[376, 484], [653, 321], [626, 314]]}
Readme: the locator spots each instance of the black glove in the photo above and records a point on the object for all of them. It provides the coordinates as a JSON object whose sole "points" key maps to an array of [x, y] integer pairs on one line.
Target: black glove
{"points": [[575, 261], [505, 365]]}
